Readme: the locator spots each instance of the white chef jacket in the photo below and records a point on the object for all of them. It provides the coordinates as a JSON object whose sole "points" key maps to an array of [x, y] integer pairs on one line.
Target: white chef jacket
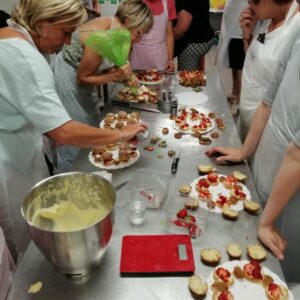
{"points": [[260, 64], [282, 128], [29, 106]]}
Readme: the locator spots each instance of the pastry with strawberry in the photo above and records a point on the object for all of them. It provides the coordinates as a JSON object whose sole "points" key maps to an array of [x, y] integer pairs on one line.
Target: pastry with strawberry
{"points": [[194, 115], [223, 275], [213, 178], [253, 271], [222, 201], [276, 292], [236, 192], [202, 183], [229, 182], [225, 295], [184, 126], [204, 195]]}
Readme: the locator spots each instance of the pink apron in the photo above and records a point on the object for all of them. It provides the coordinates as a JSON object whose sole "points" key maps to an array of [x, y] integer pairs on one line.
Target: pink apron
{"points": [[151, 52]]}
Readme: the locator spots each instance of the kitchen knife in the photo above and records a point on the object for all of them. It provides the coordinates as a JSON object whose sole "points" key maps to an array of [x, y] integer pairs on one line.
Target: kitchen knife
{"points": [[176, 161], [119, 186], [134, 106]]}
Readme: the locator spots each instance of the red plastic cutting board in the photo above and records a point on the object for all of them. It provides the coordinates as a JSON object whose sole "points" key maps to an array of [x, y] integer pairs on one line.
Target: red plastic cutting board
{"points": [[156, 254]]}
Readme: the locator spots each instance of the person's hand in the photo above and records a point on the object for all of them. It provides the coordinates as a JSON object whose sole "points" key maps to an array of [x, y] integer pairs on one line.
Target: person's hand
{"points": [[272, 239], [120, 74], [170, 67], [133, 81], [247, 22], [130, 131], [226, 154]]}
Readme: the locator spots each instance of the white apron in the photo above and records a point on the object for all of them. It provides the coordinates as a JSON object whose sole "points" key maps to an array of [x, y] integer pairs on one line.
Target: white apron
{"points": [[80, 101], [151, 52], [260, 64], [284, 123], [230, 28]]}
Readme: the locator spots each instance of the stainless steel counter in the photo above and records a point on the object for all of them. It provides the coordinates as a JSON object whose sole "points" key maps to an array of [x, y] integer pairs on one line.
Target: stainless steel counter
{"points": [[106, 283]]}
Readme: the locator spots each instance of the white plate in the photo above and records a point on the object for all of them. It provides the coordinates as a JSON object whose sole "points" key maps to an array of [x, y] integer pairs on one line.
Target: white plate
{"points": [[243, 288], [151, 82], [217, 189], [115, 154], [191, 98], [192, 123]]}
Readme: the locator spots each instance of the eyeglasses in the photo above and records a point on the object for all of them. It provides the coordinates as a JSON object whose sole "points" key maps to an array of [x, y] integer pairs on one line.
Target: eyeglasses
{"points": [[261, 38]]}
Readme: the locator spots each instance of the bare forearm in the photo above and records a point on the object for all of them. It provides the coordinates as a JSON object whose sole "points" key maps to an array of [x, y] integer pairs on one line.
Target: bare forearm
{"points": [[178, 32], [286, 184], [170, 41], [184, 21], [96, 79], [258, 125], [84, 136]]}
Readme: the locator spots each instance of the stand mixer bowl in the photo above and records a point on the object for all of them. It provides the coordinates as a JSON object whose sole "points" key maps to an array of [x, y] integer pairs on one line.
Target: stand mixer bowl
{"points": [[73, 252]]}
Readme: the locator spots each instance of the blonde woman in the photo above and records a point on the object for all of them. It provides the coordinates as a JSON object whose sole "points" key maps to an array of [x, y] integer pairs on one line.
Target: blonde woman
{"points": [[30, 106], [78, 69]]}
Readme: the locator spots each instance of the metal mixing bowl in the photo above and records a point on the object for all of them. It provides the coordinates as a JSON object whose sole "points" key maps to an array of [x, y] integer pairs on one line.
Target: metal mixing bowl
{"points": [[73, 253]]}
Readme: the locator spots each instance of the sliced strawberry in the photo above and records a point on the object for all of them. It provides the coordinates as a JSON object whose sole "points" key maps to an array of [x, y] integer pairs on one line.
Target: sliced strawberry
{"points": [[212, 177], [257, 274], [182, 214], [194, 230], [202, 126], [184, 112], [241, 195], [253, 269], [194, 115], [248, 268], [231, 181], [223, 274], [204, 194], [225, 295], [181, 223], [222, 200], [256, 264], [275, 290], [203, 183]]}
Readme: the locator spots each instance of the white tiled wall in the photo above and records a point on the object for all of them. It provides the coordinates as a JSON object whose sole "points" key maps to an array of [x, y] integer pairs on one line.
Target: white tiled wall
{"points": [[6, 5]]}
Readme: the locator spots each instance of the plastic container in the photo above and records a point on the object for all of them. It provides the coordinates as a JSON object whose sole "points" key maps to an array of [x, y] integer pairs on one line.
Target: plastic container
{"points": [[149, 186]]}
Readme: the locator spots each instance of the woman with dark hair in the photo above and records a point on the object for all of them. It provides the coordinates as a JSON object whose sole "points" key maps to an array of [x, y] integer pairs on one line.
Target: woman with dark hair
{"points": [[192, 32]]}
